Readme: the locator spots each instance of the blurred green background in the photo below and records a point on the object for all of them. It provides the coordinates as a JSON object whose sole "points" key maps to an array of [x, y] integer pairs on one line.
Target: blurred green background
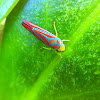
{"points": [[29, 73]]}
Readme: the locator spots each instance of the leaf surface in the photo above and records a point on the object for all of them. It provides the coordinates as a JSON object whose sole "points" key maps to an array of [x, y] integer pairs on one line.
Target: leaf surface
{"points": [[5, 7], [30, 73]]}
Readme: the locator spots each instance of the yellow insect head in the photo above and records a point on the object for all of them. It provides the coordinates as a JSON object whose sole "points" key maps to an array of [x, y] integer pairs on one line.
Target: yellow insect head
{"points": [[62, 48]]}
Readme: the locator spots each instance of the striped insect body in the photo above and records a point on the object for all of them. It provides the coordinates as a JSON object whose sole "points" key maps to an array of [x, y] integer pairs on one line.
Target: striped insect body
{"points": [[46, 37]]}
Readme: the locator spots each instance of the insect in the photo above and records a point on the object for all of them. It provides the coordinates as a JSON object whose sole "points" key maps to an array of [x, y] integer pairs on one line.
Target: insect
{"points": [[46, 37]]}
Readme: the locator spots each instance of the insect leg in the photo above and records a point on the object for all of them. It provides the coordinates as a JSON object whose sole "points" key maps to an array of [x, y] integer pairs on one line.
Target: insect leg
{"points": [[58, 54], [65, 40], [45, 48], [55, 29]]}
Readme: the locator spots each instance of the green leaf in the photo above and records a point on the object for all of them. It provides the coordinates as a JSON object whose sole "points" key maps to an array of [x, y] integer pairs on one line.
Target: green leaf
{"points": [[29, 73], [5, 7]]}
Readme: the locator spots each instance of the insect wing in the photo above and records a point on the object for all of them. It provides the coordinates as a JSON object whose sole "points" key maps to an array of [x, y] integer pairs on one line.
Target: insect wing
{"points": [[39, 32]]}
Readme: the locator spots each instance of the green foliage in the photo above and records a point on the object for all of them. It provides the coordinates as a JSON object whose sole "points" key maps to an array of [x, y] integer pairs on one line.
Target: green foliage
{"points": [[5, 7], [29, 73]]}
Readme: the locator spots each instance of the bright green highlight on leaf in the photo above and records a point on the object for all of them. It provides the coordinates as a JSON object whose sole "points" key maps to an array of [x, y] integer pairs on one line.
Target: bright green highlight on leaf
{"points": [[85, 25], [29, 73], [81, 30], [5, 7]]}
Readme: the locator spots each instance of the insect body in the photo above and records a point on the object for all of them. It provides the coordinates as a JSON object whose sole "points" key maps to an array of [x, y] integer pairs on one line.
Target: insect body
{"points": [[46, 37]]}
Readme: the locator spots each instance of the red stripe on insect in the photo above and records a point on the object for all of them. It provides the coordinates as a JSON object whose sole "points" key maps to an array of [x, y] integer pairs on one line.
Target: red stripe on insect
{"points": [[27, 27], [42, 30], [54, 46], [57, 42], [52, 41], [36, 36], [35, 26], [42, 37], [47, 35], [31, 31]]}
